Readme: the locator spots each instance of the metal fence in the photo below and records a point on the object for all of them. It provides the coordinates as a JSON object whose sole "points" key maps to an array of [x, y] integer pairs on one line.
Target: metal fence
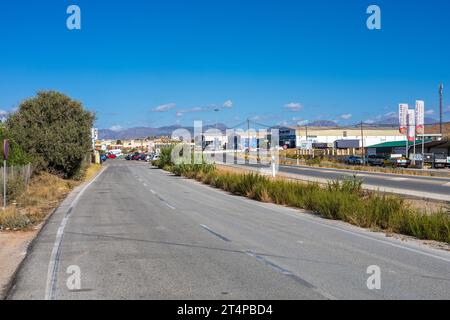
{"points": [[13, 173]]}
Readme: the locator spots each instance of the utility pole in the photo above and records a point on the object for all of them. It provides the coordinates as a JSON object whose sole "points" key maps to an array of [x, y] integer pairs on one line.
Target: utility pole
{"points": [[307, 141], [248, 142], [441, 105], [362, 144]]}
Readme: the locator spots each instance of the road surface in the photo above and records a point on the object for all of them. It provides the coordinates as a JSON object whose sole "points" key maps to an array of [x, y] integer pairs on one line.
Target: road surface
{"points": [[140, 233], [435, 188]]}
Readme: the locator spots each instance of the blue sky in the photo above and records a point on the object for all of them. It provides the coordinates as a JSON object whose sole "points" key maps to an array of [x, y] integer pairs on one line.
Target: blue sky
{"points": [[274, 61]]}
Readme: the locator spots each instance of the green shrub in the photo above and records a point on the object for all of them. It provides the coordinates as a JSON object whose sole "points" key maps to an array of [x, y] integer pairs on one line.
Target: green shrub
{"points": [[16, 156], [55, 131]]}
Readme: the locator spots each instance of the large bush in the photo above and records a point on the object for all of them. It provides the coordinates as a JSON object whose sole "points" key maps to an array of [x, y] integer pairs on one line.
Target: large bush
{"points": [[55, 130]]}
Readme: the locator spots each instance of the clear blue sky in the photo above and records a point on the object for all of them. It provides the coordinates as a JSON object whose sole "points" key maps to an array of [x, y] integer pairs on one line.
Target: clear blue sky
{"points": [[192, 56]]}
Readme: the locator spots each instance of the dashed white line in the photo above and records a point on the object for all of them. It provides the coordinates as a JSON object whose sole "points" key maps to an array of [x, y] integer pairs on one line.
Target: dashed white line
{"points": [[399, 179], [218, 235], [162, 200]]}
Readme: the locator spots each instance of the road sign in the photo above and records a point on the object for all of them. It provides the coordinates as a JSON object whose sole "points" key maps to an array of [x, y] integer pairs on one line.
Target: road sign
{"points": [[5, 149]]}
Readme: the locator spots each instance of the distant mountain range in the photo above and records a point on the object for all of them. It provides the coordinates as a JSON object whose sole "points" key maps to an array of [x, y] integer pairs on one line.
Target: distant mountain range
{"points": [[393, 120], [143, 132]]}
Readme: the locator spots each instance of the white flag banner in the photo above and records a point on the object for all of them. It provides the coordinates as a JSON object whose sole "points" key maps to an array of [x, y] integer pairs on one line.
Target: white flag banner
{"points": [[420, 117], [411, 125], [403, 118]]}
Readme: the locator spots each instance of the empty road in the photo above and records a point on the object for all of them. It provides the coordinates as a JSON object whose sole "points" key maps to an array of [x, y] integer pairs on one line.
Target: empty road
{"points": [[140, 233]]}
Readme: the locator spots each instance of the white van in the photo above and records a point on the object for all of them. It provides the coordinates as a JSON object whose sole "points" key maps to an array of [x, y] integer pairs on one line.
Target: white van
{"points": [[116, 152]]}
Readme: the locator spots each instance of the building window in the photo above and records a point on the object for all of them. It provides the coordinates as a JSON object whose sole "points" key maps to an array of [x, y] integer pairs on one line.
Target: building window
{"points": [[344, 134]]}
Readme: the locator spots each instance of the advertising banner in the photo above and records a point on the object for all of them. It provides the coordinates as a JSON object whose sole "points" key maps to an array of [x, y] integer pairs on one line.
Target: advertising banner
{"points": [[420, 117], [403, 117], [411, 125]]}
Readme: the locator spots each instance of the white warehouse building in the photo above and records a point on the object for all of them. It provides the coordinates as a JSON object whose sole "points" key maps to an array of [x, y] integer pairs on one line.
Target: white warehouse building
{"points": [[306, 137]]}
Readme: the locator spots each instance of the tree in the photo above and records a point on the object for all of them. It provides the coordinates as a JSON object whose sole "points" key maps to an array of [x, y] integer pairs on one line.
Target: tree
{"points": [[16, 156], [55, 131]]}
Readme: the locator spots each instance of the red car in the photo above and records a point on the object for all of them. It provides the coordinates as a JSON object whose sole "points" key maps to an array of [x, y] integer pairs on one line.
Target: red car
{"points": [[136, 156], [112, 156]]}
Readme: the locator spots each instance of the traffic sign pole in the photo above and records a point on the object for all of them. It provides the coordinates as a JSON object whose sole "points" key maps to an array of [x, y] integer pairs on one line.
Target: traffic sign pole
{"points": [[4, 184]]}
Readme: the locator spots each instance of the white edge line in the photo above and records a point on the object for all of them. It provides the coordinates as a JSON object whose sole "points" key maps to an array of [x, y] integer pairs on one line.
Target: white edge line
{"points": [[53, 263]]}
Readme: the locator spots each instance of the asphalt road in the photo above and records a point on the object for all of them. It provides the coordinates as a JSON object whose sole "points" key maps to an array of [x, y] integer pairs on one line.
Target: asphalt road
{"points": [[436, 188], [141, 233]]}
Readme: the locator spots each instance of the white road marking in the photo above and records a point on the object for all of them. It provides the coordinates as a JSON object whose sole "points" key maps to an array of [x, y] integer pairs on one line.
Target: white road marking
{"points": [[52, 272], [291, 275], [399, 179], [162, 200], [215, 233]]}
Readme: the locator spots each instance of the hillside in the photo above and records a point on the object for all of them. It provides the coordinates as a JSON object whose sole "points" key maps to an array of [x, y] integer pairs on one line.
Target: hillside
{"points": [[435, 129]]}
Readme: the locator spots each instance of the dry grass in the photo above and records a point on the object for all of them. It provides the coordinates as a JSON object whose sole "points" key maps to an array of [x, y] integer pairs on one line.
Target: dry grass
{"points": [[92, 171], [44, 193]]}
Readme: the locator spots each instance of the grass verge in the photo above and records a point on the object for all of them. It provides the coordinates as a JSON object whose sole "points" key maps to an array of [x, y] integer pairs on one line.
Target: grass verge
{"points": [[44, 193], [341, 200]]}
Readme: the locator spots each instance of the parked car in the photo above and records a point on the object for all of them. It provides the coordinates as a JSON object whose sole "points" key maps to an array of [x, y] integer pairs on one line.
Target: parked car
{"points": [[376, 160], [136, 156], [354, 160], [397, 162], [111, 156], [103, 157], [155, 157], [128, 157], [143, 156]]}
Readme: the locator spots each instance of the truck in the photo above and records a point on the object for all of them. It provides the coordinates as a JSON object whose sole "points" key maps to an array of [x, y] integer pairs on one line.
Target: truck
{"points": [[435, 160], [440, 160]]}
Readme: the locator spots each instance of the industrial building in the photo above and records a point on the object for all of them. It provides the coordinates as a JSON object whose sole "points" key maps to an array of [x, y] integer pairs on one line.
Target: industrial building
{"points": [[336, 137]]}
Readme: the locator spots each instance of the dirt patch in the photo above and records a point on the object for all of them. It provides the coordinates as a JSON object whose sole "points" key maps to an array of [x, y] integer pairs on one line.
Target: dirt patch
{"points": [[13, 249]]}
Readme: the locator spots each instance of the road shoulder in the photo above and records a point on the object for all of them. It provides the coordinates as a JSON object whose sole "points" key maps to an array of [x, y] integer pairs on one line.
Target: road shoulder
{"points": [[14, 246]]}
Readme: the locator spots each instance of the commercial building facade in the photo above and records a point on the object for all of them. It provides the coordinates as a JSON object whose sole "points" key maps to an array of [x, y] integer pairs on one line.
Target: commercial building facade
{"points": [[334, 137]]}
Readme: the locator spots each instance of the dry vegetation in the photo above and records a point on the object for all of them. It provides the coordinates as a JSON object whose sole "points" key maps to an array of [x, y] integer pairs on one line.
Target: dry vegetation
{"points": [[44, 193]]}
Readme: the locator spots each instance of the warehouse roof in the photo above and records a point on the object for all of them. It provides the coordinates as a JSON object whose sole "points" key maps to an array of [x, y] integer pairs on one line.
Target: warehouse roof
{"points": [[395, 144]]}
